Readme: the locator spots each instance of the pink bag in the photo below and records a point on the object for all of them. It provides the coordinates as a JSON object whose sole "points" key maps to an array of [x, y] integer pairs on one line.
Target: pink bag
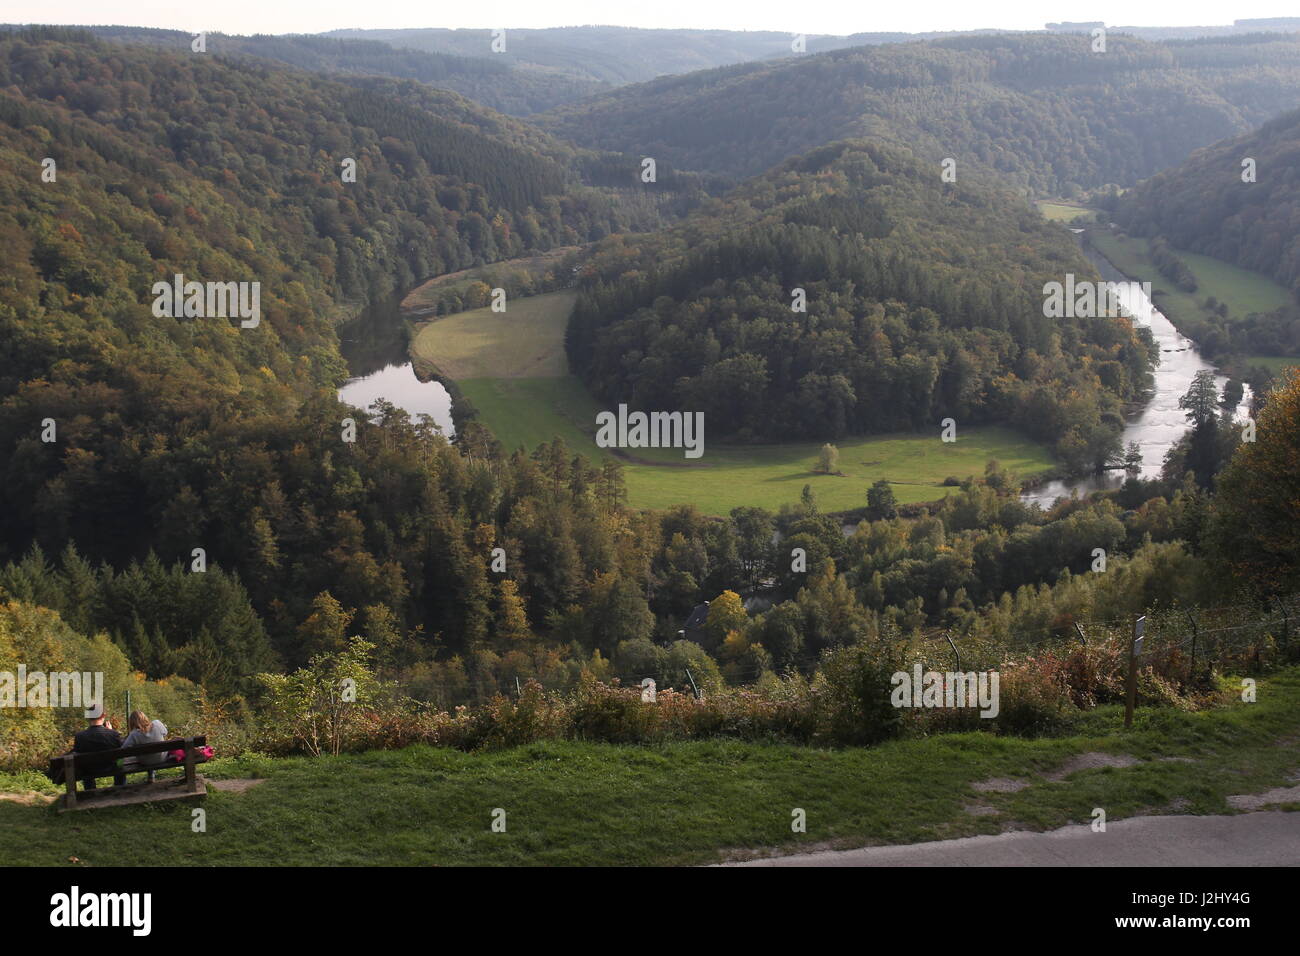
{"points": [[179, 755]]}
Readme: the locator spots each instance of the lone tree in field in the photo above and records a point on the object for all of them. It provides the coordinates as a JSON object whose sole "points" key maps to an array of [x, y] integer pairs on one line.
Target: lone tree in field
{"points": [[881, 502], [828, 460]]}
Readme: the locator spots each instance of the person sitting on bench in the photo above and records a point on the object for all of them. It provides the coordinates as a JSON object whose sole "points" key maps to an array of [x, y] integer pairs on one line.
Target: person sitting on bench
{"points": [[100, 735], [144, 731]]}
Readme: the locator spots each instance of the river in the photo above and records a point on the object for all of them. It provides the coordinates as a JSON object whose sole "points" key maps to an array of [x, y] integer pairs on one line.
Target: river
{"points": [[375, 347], [1159, 423]]}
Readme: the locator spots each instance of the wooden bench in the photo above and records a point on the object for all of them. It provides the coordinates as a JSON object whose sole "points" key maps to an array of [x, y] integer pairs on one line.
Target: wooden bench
{"points": [[103, 763]]}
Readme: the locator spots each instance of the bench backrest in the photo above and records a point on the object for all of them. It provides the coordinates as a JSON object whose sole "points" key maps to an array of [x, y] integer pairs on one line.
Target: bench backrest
{"points": [[97, 758]]}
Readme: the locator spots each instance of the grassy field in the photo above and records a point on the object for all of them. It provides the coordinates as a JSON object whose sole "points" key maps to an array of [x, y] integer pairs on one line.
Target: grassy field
{"points": [[512, 368], [572, 803], [1064, 211], [525, 341], [1274, 363], [1243, 291], [526, 412], [497, 273]]}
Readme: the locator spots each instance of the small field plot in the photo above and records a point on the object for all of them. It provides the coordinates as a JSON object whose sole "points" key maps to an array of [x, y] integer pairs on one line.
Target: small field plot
{"points": [[525, 341], [1064, 211]]}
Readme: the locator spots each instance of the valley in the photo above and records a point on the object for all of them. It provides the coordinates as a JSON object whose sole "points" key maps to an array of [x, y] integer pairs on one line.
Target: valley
{"points": [[378, 520]]}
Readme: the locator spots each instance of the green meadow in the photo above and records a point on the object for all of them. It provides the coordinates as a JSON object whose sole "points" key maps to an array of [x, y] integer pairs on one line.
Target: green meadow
{"points": [[1243, 291], [494, 274], [525, 341], [1277, 364], [512, 368]]}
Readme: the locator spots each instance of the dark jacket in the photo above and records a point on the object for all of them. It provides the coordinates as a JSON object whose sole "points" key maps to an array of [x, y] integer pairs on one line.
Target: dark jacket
{"points": [[94, 739]]}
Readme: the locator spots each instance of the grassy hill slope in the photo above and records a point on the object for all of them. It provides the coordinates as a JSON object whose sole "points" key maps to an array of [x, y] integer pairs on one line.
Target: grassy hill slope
{"points": [[576, 803]]}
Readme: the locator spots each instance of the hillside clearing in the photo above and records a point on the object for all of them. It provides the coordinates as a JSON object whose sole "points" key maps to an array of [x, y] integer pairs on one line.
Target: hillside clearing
{"points": [[1066, 212], [525, 341]]}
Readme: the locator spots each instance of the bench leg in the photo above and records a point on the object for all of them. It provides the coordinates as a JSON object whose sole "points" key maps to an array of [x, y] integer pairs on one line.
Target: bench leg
{"points": [[70, 778], [191, 780]]}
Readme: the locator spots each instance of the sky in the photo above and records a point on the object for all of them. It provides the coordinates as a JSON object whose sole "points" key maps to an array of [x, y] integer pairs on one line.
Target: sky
{"points": [[803, 16]]}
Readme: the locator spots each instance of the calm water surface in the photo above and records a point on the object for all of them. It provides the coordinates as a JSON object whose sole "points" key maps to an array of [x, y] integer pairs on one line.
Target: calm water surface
{"points": [[1160, 423], [374, 346]]}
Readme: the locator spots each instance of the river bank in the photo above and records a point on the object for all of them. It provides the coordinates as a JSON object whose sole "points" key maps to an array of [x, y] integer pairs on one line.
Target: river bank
{"points": [[376, 347], [1159, 423]]}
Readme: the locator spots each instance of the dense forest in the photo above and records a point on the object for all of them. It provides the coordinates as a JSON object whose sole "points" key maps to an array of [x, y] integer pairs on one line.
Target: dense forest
{"points": [[924, 301], [1041, 112], [594, 591], [495, 82], [602, 55], [168, 432]]}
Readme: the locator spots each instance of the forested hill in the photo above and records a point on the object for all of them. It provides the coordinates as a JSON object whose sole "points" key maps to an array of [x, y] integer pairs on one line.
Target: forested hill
{"points": [[924, 301], [497, 82], [1204, 205], [166, 164], [1038, 111], [603, 54], [249, 157]]}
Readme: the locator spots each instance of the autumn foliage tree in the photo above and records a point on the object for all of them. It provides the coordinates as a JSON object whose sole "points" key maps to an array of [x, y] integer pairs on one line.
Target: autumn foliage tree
{"points": [[1256, 522]]}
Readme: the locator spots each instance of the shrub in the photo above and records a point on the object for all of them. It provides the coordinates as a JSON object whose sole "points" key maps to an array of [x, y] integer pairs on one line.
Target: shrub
{"points": [[852, 694], [610, 713], [509, 723], [1032, 699], [320, 707]]}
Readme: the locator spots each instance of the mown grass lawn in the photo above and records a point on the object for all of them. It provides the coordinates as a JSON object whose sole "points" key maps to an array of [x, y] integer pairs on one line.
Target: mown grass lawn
{"points": [[525, 341], [575, 803]]}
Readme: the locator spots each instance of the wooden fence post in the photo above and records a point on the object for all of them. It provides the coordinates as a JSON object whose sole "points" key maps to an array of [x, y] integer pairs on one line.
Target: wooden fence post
{"points": [[1135, 648]]}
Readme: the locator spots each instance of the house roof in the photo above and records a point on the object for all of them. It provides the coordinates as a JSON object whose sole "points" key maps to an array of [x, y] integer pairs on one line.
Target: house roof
{"points": [[697, 618]]}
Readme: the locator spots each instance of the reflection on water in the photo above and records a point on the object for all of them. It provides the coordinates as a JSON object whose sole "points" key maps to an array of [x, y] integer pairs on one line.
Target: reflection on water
{"points": [[374, 346], [1160, 424]]}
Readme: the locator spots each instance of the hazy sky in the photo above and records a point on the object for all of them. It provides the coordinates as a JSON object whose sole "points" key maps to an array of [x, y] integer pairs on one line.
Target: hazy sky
{"points": [[802, 16]]}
